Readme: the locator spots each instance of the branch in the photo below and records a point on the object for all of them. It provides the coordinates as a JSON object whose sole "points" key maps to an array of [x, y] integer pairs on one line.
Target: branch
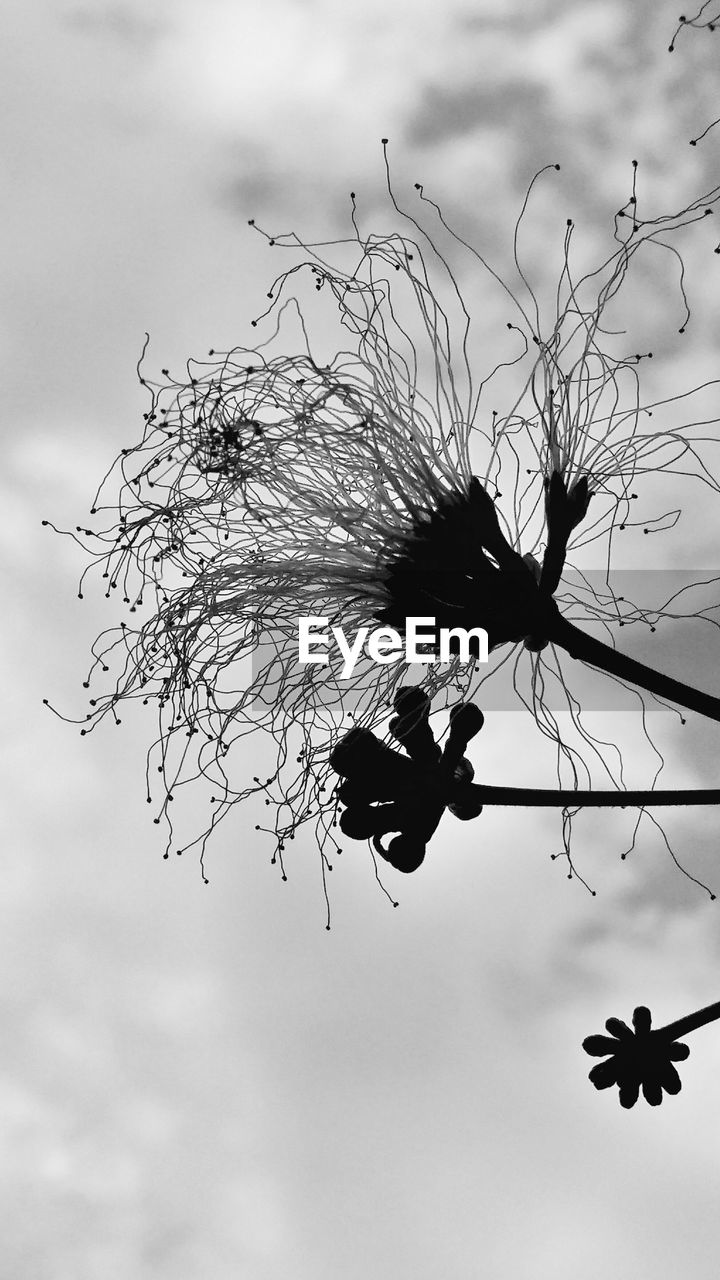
{"points": [[540, 798], [595, 653]]}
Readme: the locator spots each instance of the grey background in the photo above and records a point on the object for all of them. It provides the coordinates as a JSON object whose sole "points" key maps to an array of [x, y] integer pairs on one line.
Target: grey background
{"points": [[201, 1081]]}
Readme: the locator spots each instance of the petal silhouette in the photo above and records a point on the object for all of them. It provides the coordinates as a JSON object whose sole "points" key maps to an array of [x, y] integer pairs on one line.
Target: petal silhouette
{"points": [[671, 1081], [618, 1028], [604, 1074], [642, 1020], [599, 1046], [652, 1090], [629, 1091]]}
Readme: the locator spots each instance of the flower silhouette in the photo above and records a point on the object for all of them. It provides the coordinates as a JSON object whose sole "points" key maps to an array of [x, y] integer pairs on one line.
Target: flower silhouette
{"points": [[385, 792], [639, 1059], [357, 478]]}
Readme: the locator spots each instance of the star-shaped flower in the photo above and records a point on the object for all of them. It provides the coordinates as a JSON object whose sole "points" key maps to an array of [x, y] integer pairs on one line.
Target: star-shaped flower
{"points": [[639, 1059]]}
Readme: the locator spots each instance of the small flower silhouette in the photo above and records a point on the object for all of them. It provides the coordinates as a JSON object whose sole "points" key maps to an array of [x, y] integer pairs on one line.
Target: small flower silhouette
{"points": [[639, 1059], [385, 792]]}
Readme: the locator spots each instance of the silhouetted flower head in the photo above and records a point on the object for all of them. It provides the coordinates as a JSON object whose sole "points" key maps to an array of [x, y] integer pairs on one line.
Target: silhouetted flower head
{"points": [[358, 479], [385, 792], [639, 1059]]}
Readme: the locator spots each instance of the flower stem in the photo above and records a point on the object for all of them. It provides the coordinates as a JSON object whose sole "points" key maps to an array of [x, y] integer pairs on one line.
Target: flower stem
{"points": [[597, 654], [544, 798], [674, 1030]]}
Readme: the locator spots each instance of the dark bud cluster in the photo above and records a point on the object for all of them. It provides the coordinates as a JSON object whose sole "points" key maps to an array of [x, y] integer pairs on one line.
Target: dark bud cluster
{"points": [[386, 792]]}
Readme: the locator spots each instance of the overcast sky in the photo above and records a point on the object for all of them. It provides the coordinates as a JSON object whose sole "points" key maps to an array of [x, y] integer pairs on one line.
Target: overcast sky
{"points": [[202, 1081]]}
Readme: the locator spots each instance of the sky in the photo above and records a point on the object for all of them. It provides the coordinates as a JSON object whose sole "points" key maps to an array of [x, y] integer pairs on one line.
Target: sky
{"points": [[202, 1080]]}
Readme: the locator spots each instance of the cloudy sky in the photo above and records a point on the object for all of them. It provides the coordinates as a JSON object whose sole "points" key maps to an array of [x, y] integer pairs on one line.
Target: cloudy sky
{"points": [[202, 1080]]}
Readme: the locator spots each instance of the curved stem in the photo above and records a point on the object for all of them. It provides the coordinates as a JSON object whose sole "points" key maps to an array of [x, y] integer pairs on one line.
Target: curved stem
{"points": [[597, 654]]}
